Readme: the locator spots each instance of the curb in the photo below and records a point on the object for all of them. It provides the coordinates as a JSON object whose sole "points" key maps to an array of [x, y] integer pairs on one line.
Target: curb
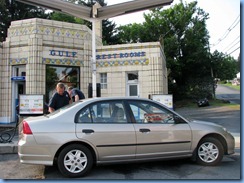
{"points": [[10, 147]]}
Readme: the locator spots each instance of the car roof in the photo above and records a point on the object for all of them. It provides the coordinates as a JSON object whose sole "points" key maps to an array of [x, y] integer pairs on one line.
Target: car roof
{"points": [[114, 98]]}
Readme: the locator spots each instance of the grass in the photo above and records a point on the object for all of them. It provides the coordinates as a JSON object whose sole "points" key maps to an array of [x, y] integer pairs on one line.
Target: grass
{"points": [[213, 102], [232, 86]]}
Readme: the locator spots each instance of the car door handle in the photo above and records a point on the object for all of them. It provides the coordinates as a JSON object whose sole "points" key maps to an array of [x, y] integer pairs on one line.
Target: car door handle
{"points": [[144, 130], [87, 131]]}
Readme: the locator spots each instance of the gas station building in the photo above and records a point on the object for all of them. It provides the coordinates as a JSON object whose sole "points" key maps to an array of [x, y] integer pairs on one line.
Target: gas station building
{"points": [[39, 53]]}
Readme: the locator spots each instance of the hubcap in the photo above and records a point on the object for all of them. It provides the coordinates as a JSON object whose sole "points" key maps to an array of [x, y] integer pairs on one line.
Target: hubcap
{"points": [[75, 161], [208, 152]]}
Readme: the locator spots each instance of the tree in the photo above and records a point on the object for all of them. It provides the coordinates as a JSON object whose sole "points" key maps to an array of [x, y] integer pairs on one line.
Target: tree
{"points": [[224, 67], [65, 18], [110, 35], [131, 33], [10, 10]]}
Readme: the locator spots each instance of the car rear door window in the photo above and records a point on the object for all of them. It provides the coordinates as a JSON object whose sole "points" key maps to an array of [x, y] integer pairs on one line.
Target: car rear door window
{"points": [[84, 116], [103, 112]]}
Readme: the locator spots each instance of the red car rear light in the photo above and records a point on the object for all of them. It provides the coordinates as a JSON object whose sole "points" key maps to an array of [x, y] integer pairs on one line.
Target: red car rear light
{"points": [[26, 128]]}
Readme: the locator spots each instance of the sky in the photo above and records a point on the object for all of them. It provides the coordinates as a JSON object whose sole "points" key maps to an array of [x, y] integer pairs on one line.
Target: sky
{"points": [[223, 23]]}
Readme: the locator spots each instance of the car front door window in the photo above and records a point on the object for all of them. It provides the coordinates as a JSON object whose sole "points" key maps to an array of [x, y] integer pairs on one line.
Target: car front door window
{"points": [[150, 113]]}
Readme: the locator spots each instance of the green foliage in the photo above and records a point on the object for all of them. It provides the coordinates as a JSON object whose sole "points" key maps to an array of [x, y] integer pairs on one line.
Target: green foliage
{"points": [[224, 67], [10, 10], [131, 33], [110, 35], [201, 88], [237, 87], [65, 18]]}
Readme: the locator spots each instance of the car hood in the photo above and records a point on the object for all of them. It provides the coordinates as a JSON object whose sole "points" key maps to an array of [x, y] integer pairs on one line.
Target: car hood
{"points": [[205, 123]]}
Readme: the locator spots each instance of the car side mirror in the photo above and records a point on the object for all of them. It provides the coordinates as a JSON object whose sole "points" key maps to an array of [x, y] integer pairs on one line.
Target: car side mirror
{"points": [[178, 119]]}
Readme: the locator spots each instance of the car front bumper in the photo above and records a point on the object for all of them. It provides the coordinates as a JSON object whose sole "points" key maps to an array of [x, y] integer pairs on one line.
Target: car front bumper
{"points": [[230, 143]]}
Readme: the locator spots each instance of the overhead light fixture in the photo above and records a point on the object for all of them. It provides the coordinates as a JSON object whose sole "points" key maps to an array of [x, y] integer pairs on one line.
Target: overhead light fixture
{"points": [[104, 12]]}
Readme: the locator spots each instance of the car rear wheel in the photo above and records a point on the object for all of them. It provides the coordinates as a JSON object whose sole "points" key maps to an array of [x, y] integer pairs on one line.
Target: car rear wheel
{"points": [[75, 160], [210, 152]]}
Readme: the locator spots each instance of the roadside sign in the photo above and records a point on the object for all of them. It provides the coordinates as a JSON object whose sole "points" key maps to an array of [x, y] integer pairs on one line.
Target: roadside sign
{"points": [[31, 104], [166, 100], [18, 78]]}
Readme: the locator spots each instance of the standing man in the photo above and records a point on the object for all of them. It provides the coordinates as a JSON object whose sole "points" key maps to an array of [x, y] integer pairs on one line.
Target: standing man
{"points": [[75, 94], [59, 99]]}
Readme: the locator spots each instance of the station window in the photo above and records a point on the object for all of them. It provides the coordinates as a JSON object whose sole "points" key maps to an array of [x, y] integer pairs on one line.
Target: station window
{"points": [[103, 80], [19, 70], [70, 76]]}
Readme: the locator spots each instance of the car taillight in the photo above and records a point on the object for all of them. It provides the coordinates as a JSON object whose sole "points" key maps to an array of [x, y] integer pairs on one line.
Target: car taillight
{"points": [[26, 128]]}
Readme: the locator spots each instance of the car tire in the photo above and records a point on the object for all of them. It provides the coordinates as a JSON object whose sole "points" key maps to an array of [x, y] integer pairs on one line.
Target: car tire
{"points": [[75, 160], [210, 152]]}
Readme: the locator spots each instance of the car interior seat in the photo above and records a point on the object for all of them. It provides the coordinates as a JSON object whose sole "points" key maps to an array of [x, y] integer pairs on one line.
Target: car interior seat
{"points": [[118, 115]]}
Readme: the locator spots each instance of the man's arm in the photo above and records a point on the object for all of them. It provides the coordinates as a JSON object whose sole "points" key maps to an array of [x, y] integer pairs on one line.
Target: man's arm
{"points": [[77, 98], [52, 104], [50, 109]]}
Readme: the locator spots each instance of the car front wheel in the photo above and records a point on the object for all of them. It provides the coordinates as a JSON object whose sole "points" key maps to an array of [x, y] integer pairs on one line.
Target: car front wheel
{"points": [[210, 152], [75, 160]]}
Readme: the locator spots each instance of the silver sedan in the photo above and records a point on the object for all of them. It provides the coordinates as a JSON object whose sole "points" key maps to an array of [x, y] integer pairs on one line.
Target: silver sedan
{"points": [[117, 130]]}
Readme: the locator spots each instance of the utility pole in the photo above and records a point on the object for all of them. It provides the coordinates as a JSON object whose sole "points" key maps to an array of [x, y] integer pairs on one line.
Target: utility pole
{"points": [[93, 61]]}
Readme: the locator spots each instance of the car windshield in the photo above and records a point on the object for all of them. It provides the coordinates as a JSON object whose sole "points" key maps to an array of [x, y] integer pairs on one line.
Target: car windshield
{"points": [[64, 108]]}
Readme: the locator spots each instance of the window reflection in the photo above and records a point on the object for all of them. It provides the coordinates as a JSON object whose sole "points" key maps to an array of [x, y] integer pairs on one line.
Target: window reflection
{"points": [[67, 75]]}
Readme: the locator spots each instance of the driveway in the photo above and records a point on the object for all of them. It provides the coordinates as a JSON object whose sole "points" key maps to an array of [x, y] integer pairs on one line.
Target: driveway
{"points": [[227, 93]]}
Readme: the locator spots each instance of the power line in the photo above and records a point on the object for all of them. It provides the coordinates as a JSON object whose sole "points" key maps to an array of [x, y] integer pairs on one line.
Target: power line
{"points": [[228, 31], [233, 46], [231, 43], [173, 26], [233, 51]]}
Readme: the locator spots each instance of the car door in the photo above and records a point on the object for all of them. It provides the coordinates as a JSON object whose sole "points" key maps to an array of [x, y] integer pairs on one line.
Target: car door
{"points": [[157, 133], [106, 127]]}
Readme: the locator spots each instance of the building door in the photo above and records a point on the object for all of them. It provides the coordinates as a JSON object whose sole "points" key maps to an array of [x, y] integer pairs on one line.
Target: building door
{"points": [[18, 87], [20, 90], [132, 84]]}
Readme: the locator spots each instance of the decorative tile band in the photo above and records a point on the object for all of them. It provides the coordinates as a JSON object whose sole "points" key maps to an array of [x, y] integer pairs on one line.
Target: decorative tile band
{"points": [[74, 62], [47, 30], [127, 48], [17, 61], [122, 63], [71, 62]]}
